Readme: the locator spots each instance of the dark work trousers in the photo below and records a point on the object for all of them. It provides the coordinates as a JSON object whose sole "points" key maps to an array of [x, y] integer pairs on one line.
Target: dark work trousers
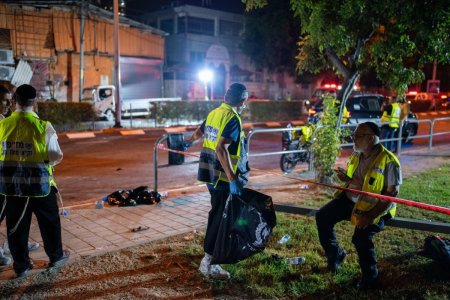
{"points": [[218, 201], [46, 211], [340, 209], [388, 132]]}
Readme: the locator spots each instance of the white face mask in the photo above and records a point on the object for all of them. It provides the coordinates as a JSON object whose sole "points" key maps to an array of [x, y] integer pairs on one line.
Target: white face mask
{"points": [[241, 108]]}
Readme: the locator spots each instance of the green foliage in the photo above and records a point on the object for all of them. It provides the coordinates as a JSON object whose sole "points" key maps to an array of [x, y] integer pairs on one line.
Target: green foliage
{"points": [[325, 148], [64, 115], [196, 111], [394, 38]]}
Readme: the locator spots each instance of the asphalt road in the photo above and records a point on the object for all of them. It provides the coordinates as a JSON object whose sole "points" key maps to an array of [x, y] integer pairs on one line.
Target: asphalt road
{"points": [[95, 167]]}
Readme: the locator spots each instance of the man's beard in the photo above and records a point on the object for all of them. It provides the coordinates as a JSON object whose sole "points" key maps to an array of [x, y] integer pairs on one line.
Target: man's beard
{"points": [[361, 148]]}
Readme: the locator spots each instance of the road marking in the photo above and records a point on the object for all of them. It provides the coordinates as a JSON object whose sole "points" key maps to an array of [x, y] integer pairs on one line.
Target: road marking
{"points": [[132, 132], [176, 129], [297, 123], [273, 124], [80, 135]]}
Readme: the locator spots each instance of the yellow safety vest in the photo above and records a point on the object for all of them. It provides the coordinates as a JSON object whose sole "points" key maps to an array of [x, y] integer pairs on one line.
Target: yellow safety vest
{"points": [[345, 115], [306, 132], [210, 169], [394, 116], [373, 182], [24, 165]]}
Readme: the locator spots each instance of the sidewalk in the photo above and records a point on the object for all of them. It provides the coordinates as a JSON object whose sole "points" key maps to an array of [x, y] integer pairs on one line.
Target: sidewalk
{"points": [[91, 231]]}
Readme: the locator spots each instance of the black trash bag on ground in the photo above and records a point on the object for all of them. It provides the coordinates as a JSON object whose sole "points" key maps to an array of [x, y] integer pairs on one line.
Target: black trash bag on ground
{"points": [[437, 248], [121, 198], [142, 195], [139, 195], [245, 228]]}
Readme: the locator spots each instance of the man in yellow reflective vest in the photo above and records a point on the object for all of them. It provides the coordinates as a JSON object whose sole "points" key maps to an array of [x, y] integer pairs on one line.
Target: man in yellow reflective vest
{"points": [[223, 165], [391, 113], [371, 168], [29, 150], [5, 108], [303, 134]]}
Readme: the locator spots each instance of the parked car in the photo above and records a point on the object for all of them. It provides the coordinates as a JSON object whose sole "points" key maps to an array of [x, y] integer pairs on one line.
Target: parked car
{"points": [[367, 107]]}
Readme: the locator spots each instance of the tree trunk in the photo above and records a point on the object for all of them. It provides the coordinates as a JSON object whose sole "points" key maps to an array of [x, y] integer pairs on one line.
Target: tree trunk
{"points": [[344, 93]]}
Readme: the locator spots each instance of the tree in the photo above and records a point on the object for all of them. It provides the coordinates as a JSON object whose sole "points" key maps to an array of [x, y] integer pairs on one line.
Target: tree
{"points": [[270, 31], [394, 38]]}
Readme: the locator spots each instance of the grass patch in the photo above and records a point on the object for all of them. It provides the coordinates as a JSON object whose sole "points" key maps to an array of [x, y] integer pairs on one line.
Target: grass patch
{"points": [[404, 274]]}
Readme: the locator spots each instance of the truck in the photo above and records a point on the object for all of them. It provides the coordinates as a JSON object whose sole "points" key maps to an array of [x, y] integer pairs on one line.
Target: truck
{"points": [[103, 100]]}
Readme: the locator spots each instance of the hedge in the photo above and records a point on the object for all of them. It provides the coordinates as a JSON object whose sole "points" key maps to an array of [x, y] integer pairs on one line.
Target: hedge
{"points": [[74, 116]]}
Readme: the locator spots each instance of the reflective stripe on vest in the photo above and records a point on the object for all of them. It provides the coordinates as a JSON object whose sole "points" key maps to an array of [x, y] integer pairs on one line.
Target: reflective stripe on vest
{"points": [[210, 169], [373, 182], [394, 116], [24, 168]]}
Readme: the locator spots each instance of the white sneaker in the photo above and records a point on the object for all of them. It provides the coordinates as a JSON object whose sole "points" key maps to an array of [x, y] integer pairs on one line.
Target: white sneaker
{"points": [[217, 272], [205, 265], [31, 247], [4, 260]]}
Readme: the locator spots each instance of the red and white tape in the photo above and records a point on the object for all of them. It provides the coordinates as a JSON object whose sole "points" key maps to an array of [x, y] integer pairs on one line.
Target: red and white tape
{"points": [[425, 206]]}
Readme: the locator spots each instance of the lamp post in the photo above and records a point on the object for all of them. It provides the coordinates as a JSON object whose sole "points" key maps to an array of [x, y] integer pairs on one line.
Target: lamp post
{"points": [[206, 76]]}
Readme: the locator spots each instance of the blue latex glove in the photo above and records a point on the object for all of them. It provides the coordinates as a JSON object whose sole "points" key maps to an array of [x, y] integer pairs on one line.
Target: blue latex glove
{"points": [[236, 187], [187, 145]]}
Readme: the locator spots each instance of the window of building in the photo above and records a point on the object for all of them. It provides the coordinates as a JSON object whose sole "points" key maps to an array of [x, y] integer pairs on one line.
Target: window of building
{"points": [[167, 25], [181, 24], [201, 26], [5, 39], [230, 28], [197, 56]]}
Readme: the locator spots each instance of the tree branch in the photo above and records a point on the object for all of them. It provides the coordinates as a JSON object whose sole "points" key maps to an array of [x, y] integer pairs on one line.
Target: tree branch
{"points": [[337, 62]]}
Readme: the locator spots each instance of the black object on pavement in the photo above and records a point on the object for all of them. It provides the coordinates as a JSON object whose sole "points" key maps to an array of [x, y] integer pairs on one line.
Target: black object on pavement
{"points": [[245, 228], [139, 195]]}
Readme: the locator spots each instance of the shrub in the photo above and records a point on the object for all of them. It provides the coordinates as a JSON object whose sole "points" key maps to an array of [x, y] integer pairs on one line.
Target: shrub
{"points": [[66, 115]]}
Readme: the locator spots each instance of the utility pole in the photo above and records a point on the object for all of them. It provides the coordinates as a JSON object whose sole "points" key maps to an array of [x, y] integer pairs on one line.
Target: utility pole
{"points": [[81, 83], [117, 64]]}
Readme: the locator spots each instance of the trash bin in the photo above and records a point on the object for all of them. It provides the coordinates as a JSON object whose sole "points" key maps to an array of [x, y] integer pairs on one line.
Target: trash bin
{"points": [[175, 141]]}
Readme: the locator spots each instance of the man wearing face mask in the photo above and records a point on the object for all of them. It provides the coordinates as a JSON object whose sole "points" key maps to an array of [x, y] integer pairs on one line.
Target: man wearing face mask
{"points": [[223, 165], [371, 168]]}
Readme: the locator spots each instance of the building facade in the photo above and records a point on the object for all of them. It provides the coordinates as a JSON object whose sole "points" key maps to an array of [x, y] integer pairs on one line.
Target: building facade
{"points": [[202, 38], [47, 37]]}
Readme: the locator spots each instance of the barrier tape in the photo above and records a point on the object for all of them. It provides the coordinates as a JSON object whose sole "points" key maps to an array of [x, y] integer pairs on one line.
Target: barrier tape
{"points": [[425, 206]]}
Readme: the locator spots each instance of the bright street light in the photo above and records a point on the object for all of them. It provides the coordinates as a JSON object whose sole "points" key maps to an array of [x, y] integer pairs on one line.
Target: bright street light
{"points": [[206, 76]]}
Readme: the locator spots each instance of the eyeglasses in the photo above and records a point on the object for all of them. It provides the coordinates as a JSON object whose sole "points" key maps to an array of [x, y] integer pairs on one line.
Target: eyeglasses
{"points": [[359, 136]]}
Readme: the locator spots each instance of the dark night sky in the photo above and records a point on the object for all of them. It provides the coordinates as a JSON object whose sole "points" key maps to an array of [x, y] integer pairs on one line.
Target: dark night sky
{"points": [[136, 7]]}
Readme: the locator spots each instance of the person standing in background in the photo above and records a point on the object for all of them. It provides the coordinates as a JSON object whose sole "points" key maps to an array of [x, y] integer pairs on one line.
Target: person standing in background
{"points": [[29, 150]]}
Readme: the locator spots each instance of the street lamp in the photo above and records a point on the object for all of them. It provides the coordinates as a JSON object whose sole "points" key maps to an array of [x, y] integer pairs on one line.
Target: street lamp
{"points": [[206, 76]]}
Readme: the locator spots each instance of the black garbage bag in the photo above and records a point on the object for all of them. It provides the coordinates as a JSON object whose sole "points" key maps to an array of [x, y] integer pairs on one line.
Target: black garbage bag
{"points": [[437, 248], [245, 228], [139, 195], [121, 198]]}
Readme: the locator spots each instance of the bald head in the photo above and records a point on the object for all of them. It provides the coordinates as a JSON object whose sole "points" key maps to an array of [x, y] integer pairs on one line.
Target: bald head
{"points": [[366, 136]]}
